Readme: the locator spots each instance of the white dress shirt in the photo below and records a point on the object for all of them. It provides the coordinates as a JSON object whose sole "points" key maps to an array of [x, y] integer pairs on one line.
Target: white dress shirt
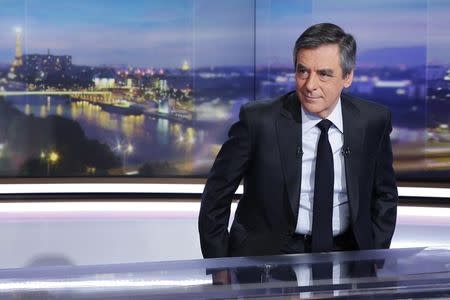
{"points": [[310, 139], [303, 272]]}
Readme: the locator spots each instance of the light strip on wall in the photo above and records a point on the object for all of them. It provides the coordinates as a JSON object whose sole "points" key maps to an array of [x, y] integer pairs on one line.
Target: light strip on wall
{"points": [[99, 207], [132, 188], [443, 212], [86, 284], [169, 207], [166, 188]]}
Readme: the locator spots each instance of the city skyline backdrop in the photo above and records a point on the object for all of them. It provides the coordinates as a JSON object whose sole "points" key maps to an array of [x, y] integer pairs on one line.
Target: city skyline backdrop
{"points": [[211, 33], [151, 87]]}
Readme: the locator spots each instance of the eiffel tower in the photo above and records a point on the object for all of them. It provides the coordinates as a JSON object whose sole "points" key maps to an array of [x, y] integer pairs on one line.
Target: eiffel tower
{"points": [[17, 62]]}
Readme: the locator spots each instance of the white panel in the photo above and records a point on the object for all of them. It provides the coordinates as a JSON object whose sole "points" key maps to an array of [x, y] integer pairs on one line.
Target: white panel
{"points": [[135, 188]]}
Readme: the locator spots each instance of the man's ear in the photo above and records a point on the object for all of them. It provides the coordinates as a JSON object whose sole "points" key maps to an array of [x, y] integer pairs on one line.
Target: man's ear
{"points": [[348, 79]]}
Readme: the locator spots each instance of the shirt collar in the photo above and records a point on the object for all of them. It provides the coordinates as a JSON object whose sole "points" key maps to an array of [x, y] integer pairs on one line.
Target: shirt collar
{"points": [[310, 120]]}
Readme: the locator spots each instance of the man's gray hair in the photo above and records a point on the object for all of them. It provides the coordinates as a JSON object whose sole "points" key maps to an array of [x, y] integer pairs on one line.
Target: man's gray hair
{"points": [[327, 33]]}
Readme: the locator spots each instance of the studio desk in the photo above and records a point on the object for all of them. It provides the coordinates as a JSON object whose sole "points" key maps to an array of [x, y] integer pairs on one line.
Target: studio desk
{"points": [[375, 274]]}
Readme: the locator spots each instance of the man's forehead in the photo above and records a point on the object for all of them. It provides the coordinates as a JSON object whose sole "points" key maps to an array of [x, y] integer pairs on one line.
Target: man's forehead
{"points": [[319, 58], [319, 66]]}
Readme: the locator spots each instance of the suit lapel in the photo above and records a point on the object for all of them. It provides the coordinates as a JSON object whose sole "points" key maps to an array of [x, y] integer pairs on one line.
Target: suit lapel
{"points": [[288, 125], [352, 149]]}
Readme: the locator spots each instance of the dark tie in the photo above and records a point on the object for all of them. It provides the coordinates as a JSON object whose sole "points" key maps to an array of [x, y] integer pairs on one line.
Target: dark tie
{"points": [[322, 230]]}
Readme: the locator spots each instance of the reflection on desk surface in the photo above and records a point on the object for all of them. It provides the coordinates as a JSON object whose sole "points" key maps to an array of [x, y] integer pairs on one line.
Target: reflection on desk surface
{"points": [[397, 273]]}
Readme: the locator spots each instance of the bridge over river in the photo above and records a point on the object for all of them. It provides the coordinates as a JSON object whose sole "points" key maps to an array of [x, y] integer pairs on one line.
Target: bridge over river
{"points": [[105, 97]]}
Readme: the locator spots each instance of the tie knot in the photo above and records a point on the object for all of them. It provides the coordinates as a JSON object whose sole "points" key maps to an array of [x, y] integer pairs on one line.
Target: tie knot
{"points": [[324, 125]]}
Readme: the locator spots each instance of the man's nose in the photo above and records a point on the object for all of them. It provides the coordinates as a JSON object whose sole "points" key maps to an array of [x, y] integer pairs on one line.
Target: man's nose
{"points": [[311, 82]]}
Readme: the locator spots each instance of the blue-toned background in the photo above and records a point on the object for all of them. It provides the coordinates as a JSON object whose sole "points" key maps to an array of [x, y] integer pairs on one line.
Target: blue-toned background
{"points": [[149, 88]]}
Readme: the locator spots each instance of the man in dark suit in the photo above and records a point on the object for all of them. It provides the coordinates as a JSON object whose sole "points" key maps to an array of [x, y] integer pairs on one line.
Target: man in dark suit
{"points": [[316, 164]]}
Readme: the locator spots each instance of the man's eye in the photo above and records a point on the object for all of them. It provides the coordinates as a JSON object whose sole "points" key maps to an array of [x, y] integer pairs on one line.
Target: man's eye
{"points": [[325, 74], [302, 72]]}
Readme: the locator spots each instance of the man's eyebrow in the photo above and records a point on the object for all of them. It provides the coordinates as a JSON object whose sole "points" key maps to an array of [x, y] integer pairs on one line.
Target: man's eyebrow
{"points": [[326, 71], [301, 66]]}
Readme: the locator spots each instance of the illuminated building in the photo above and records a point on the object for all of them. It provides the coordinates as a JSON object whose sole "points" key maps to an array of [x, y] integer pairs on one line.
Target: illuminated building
{"points": [[104, 83], [18, 56], [447, 76], [162, 85], [129, 83], [185, 67], [394, 89], [47, 63], [104, 78], [163, 106], [17, 62]]}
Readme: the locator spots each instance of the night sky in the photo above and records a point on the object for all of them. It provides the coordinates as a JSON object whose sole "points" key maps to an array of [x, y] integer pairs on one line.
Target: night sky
{"points": [[212, 32]]}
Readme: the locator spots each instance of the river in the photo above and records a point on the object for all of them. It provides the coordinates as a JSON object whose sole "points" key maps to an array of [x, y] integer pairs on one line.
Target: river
{"points": [[136, 139]]}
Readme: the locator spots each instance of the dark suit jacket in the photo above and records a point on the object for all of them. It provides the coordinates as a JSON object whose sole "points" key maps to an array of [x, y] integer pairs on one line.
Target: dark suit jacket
{"points": [[264, 149]]}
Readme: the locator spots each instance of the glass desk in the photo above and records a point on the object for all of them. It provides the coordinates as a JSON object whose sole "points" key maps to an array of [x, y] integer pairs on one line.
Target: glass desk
{"points": [[395, 273]]}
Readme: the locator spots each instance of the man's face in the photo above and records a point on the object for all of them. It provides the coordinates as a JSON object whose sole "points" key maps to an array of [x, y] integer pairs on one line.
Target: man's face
{"points": [[319, 79]]}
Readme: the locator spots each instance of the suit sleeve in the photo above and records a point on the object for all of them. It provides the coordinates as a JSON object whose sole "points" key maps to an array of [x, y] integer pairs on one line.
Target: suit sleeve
{"points": [[223, 180], [385, 196]]}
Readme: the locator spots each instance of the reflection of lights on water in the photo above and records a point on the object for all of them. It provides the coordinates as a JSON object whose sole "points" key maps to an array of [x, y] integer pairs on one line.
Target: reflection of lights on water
{"points": [[27, 109], [190, 135], [127, 127], [91, 111], [59, 110], [175, 129], [43, 111], [75, 112], [105, 121], [49, 101], [94, 114], [184, 139], [162, 127], [132, 125]]}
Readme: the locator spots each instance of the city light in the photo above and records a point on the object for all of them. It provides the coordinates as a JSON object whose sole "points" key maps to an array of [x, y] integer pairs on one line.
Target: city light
{"points": [[53, 157], [130, 148], [96, 102], [126, 149], [185, 66], [180, 110]]}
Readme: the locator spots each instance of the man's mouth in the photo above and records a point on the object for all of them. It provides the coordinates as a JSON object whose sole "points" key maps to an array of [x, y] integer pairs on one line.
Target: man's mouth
{"points": [[311, 97]]}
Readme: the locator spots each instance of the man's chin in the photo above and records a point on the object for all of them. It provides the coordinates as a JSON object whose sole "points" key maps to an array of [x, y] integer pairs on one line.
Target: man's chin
{"points": [[313, 109], [311, 106]]}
